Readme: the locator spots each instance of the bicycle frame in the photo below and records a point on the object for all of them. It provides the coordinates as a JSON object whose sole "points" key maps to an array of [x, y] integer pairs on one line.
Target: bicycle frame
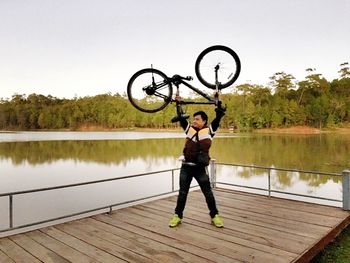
{"points": [[177, 80]]}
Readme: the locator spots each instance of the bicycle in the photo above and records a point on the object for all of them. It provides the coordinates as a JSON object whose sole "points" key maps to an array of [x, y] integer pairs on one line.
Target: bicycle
{"points": [[217, 67]]}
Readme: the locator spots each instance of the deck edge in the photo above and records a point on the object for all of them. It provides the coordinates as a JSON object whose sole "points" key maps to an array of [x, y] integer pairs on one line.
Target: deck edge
{"points": [[321, 244]]}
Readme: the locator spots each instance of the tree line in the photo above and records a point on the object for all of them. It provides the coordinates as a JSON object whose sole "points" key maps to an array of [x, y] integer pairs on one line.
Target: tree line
{"points": [[284, 102]]}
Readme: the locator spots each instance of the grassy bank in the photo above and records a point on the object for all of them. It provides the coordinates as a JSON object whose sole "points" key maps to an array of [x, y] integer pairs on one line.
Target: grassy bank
{"points": [[338, 251]]}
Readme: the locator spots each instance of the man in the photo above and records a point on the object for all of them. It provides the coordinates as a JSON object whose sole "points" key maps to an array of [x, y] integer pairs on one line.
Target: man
{"points": [[198, 142]]}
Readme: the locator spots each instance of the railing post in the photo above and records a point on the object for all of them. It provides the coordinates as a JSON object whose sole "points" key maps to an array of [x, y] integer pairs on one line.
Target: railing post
{"points": [[269, 180], [213, 173], [11, 210], [346, 189], [172, 181]]}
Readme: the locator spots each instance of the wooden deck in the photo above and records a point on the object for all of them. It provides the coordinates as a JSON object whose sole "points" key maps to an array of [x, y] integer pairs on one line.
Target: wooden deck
{"points": [[257, 229]]}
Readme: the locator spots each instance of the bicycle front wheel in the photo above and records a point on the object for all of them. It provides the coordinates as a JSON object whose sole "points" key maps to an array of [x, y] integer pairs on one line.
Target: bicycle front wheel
{"points": [[217, 66], [149, 90]]}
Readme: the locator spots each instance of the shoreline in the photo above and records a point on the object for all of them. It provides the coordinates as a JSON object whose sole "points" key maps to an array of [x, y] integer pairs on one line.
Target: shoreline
{"points": [[302, 130]]}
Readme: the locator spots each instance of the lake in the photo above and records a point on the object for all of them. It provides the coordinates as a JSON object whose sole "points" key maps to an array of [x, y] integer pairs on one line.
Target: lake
{"points": [[30, 160]]}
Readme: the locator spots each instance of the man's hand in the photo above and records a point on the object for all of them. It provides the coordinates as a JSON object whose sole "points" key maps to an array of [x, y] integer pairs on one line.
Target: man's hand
{"points": [[180, 114]]}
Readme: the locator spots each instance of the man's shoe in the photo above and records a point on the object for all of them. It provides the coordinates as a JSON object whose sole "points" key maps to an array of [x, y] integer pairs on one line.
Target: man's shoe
{"points": [[217, 221], [175, 221]]}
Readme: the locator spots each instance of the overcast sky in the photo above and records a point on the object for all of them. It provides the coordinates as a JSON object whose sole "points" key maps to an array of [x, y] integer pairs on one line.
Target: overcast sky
{"points": [[68, 48]]}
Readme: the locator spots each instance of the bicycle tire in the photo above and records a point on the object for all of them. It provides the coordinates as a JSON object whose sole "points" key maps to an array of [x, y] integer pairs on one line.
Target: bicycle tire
{"points": [[146, 80], [234, 64]]}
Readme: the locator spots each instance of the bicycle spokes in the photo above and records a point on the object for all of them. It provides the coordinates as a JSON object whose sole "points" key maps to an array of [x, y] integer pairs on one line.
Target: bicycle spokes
{"points": [[152, 89], [149, 90], [217, 65], [217, 68]]}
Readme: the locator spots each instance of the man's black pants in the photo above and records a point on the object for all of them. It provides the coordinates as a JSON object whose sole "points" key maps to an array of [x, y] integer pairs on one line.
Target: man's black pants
{"points": [[187, 172]]}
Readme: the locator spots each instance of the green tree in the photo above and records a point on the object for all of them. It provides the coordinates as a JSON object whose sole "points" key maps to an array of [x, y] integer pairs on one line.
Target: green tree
{"points": [[344, 70], [282, 83]]}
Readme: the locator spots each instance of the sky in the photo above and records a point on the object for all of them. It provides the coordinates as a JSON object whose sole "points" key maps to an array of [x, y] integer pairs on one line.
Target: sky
{"points": [[78, 48]]}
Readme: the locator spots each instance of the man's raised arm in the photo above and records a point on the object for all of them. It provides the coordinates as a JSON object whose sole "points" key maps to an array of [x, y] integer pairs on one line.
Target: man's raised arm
{"points": [[220, 112]]}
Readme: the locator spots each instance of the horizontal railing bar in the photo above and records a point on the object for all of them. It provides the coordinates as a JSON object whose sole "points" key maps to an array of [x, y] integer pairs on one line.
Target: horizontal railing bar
{"points": [[280, 192], [90, 211], [87, 211], [280, 169], [243, 186], [308, 196], [85, 183]]}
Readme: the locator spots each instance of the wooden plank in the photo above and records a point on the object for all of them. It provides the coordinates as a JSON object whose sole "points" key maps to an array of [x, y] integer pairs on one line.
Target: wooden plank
{"points": [[160, 252], [280, 202], [37, 250], [59, 248], [280, 239], [227, 235], [137, 245], [285, 225], [4, 258], [174, 243], [323, 220], [15, 252], [116, 250], [81, 246], [316, 209], [175, 235], [188, 233]]}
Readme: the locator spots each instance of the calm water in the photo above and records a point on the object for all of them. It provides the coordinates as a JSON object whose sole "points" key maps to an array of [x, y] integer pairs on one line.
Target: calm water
{"points": [[31, 160]]}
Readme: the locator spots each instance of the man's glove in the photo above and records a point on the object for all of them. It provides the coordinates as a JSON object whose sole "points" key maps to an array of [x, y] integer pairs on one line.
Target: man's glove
{"points": [[220, 110], [180, 114], [179, 118]]}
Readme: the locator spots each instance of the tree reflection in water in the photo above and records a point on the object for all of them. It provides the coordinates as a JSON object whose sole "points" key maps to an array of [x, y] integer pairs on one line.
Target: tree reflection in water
{"points": [[326, 153]]}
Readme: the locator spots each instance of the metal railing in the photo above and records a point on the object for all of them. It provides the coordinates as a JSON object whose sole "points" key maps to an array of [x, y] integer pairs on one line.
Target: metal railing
{"points": [[345, 175], [110, 206]]}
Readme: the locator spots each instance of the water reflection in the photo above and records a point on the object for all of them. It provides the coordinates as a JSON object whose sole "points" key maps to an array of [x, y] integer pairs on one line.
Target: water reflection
{"points": [[327, 153], [63, 161], [295, 182], [103, 152]]}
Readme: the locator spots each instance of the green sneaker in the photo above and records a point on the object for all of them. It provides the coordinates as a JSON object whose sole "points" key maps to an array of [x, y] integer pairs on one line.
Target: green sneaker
{"points": [[217, 221], [175, 221]]}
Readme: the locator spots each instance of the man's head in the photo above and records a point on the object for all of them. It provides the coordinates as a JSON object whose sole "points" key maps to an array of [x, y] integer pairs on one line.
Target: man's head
{"points": [[200, 119]]}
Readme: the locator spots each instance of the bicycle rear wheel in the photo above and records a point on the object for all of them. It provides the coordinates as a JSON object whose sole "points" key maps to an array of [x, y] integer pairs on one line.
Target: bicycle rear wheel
{"points": [[217, 66], [149, 90]]}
